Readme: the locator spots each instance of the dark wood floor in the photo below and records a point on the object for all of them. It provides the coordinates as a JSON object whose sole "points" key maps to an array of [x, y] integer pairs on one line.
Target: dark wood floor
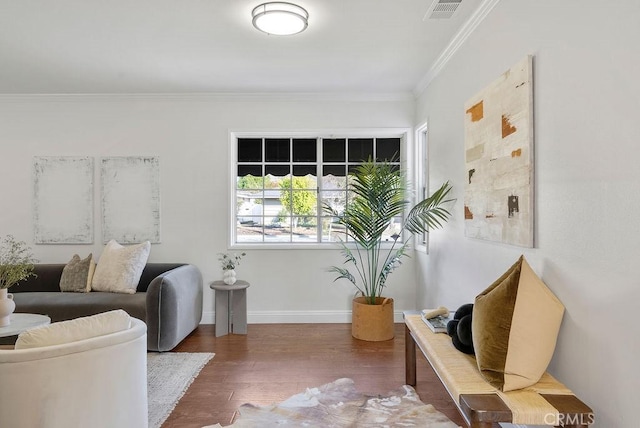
{"points": [[275, 361]]}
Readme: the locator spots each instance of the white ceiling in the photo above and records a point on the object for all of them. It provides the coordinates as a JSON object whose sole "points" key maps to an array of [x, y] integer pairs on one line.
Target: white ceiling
{"points": [[210, 46]]}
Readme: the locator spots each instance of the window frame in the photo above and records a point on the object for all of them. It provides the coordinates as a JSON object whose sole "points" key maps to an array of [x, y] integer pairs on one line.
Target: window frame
{"points": [[421, 161], [406, 161]]}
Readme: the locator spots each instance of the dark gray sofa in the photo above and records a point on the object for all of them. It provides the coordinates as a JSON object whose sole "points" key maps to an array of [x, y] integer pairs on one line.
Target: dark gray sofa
{"points": [[168, 299]]}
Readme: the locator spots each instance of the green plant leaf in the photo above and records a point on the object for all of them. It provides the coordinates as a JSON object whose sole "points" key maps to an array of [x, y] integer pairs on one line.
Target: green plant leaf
{"points": [[16, 261], [379, 195], [429, 213]]}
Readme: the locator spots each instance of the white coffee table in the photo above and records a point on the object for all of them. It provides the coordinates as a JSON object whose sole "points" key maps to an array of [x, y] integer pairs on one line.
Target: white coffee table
{"points": [[23, 322]]}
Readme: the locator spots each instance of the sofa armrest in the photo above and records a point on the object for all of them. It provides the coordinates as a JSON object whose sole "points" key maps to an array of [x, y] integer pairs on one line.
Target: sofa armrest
{"points": [[174, 307]]}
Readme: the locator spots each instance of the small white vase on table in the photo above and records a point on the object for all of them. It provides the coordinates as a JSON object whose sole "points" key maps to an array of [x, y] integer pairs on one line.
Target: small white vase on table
{"points": [[7, 306], [229, 262], [229, 276]]}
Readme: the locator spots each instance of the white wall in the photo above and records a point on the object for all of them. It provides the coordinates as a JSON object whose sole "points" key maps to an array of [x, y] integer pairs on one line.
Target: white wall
{"points": [[190, 134], [587, 179], [587, 97]]}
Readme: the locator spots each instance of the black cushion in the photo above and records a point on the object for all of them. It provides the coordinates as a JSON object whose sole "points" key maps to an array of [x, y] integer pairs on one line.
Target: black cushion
{"points": [[459, 328]]}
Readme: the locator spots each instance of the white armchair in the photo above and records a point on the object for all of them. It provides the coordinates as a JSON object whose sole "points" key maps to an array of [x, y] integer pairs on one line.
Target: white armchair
{"points": [[94, 382]]}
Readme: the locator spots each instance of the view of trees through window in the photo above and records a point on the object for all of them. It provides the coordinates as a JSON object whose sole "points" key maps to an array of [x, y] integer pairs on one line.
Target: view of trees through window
{"points": [[282, 183]]}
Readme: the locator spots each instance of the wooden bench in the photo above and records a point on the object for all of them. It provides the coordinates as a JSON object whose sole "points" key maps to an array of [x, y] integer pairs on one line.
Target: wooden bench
{"points": [[548, 402]]}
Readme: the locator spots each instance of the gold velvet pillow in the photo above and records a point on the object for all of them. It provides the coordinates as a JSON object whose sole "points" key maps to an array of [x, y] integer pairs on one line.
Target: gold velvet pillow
{"points": [[77, 274], [515, 326]]}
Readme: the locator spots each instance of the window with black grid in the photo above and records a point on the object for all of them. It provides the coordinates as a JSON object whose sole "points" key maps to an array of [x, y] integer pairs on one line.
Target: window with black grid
{"points": [[283, 182]]}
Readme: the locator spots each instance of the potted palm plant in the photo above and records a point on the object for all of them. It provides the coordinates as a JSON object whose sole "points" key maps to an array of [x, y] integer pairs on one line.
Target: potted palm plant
{"points": [[378, 195]]}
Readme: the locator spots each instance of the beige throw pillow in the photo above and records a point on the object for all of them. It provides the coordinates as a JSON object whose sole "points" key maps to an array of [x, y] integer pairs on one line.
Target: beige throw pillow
{"points": [[77, 274], [119, 268], [515, 326], [74, 330]]}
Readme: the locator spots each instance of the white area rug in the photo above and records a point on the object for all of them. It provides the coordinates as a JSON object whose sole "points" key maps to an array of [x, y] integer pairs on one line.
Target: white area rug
{"points": [[339, 404], [168, 377]]}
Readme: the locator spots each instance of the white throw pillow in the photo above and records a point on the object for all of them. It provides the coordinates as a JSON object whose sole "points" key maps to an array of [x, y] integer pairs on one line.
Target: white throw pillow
{"points": [[119, 268], [74, 330]]}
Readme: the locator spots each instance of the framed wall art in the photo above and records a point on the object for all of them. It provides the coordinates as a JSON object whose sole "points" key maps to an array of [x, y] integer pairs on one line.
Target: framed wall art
{"points": [[131, 199], [498, 137], [63, 200]]}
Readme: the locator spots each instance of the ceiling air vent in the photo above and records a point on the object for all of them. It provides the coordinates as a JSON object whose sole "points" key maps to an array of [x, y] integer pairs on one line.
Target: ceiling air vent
{"points": [[442, 9]]}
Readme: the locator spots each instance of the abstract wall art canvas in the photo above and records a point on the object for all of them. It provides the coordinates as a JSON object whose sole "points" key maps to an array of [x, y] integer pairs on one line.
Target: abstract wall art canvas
{"points": [[498, 136], [63, 200], [131, 199]]}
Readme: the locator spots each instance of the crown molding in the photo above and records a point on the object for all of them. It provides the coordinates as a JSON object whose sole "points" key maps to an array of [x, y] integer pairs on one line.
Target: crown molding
{"points": [[217, 97], [456, 42]]}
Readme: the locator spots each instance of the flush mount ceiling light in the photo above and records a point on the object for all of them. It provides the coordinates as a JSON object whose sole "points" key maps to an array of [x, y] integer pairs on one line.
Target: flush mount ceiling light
{"points": [[280, 18]]}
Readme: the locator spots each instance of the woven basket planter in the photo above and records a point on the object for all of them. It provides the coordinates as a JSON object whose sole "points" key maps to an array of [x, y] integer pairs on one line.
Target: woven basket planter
{"points": [[373, 323]]}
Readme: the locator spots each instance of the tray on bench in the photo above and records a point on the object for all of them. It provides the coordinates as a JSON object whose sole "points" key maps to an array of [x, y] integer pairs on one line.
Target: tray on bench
{"points": [[548, 402]]}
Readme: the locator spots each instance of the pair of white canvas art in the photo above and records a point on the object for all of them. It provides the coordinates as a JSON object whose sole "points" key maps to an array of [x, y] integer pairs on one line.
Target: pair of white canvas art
{"points": [[64, 194]]}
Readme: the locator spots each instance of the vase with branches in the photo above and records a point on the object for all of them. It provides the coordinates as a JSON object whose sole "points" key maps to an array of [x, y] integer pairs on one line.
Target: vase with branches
{"points": [[16, 261], [229, 262], [16, 264]]}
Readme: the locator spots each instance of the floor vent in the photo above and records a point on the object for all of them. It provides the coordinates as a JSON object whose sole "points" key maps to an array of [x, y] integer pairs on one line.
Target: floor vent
{"points": [[442, 9]]}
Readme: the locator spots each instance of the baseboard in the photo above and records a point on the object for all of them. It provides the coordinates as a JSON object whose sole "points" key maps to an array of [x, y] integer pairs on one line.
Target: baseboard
{"points": [[295, 317]]}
